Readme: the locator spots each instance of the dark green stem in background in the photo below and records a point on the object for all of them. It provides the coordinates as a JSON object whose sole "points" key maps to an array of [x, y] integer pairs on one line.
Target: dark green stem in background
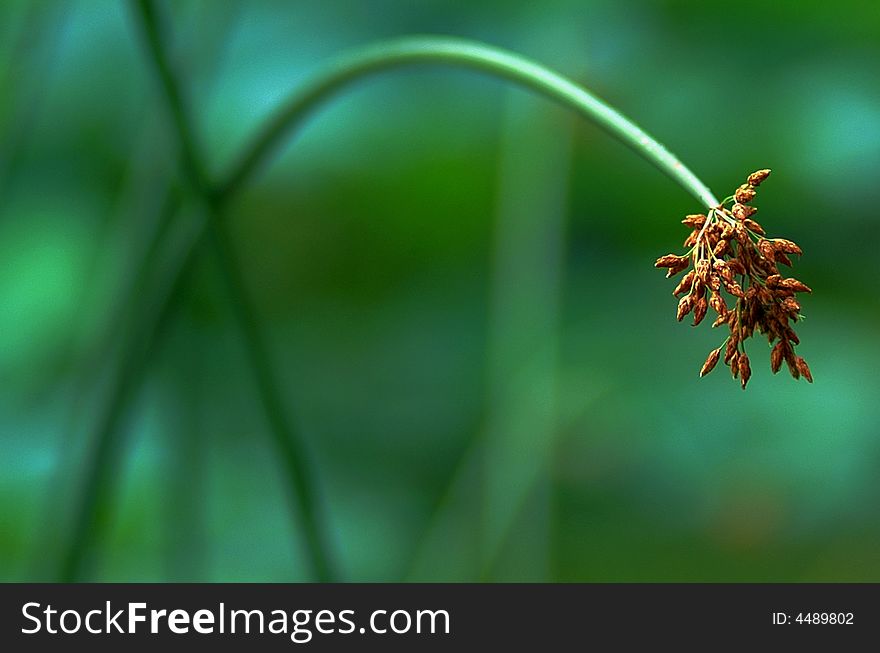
{"points": [[324, 85], [190, 157], [287, 439], [294, 457]]}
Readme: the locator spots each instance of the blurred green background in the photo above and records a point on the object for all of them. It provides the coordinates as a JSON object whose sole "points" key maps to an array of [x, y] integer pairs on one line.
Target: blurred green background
{"points": [[456, 281]]}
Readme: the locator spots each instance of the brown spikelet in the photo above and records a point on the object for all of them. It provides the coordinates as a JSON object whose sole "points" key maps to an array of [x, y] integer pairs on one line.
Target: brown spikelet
{"points": [[794, 285], [765, 247], [786, 246], [803, 368], [782, 257], [754, 226], [776, 357], [736, 266], [685, 284], [721, 268], [716, 302], [791, 361], [700, 307], [684, 307], [742, 212], [790, 305], [731, 322], [669, 260], [758, 176], [745, 371], [702, 269], [745, 194], [730, 351], [695, 221], [734, 289], [711, 362]]}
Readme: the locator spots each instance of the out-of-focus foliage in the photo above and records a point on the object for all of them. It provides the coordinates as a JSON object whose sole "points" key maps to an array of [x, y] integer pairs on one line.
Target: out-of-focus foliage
{"points": [[457, 283]]}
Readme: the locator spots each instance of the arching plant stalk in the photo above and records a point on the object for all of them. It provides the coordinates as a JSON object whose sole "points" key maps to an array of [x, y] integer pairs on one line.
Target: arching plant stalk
{"points": [[433, 50]]}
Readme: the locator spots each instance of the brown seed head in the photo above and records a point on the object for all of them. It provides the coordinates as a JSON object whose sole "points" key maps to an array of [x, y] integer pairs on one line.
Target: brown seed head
{"points": [[734, 250]]}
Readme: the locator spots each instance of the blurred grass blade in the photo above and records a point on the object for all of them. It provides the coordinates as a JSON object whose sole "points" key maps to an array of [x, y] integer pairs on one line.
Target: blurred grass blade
{"points": [[526, 293], [186, 539], [23, 80], [507, 462], [453, 520], [140, 344]]}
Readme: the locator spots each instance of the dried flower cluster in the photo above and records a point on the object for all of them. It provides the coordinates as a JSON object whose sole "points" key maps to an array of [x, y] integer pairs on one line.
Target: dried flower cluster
{"points": [[730, 253]]}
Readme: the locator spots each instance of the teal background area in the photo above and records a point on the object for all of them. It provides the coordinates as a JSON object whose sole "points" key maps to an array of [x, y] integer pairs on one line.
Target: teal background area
{"points": [[456, 281]]}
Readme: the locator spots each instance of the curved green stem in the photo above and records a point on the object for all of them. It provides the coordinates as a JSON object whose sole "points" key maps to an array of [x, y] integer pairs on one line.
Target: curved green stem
{"points": [[468, 54]]}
